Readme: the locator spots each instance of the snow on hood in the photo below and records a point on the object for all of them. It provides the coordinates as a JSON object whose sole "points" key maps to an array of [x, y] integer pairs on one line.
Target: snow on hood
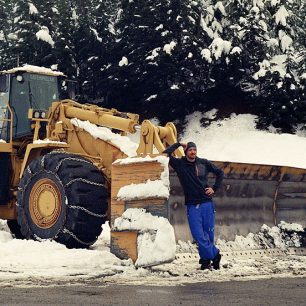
{"points": [[122, 142], [236, 139]]}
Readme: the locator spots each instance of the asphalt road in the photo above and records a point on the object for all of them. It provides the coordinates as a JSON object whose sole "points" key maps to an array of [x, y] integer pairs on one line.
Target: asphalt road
{"points": [[280, 291]]}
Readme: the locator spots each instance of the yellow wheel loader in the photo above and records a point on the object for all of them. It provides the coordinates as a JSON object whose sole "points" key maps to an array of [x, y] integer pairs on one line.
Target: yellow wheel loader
{"points": [[55, 178], [56, 174]]}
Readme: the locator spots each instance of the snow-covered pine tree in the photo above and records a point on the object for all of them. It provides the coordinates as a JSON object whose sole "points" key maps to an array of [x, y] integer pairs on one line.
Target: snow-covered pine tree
{"points": [[94, 39], [158, 63], [280, 99], [7, 37], [35, 44]]}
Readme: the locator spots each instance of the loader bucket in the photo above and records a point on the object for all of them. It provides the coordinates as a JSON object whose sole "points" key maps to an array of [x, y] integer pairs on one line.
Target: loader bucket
{"points": [[251, 195]]}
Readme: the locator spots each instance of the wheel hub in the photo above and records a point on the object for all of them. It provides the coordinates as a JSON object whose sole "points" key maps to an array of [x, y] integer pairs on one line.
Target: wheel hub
{"points": [[45, 203]]}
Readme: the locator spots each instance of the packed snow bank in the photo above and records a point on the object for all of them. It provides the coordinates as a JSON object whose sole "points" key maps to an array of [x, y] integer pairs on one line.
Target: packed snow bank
{"points": [[156, 239], [236, 139], [28, 259], [157, 188], [122, 142], [282, 236]]}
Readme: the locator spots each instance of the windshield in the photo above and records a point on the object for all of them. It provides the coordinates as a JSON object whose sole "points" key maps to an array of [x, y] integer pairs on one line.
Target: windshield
{"points": [[43, 90]]}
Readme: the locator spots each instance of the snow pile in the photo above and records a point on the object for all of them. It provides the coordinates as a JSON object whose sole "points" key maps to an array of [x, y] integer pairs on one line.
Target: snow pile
{"points": [[122, 142], [2, 141], [282, 236], [44, 35], [156, 239], [157, 188], [28, 259], [236, 139]]}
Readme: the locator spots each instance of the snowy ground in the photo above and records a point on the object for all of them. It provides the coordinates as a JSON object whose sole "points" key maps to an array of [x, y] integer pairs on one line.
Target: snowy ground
{"points": [[43, 263]]}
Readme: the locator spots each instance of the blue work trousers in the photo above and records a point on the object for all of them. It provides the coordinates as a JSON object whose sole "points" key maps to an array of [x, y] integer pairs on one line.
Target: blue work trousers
{"points": [[201, 220]]}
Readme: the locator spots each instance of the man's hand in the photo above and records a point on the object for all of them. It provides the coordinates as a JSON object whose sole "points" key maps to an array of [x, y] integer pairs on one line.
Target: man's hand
{"points": [[184, 145], [209, 191]]}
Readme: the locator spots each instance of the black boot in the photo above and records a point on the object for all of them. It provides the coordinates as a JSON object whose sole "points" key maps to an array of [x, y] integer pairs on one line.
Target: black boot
{"points": [[216, 261], [205, 264]]}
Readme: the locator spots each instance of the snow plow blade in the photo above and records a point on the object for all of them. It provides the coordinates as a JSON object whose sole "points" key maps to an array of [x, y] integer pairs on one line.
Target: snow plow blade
{"points": [[251, 195]]}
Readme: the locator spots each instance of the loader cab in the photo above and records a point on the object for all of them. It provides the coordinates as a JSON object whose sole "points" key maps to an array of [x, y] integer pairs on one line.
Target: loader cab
{"points": [[23, 89]]}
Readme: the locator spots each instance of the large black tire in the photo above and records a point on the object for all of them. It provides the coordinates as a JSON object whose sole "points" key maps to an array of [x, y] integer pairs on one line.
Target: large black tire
{"points": [[75, 212], [15, 229]]}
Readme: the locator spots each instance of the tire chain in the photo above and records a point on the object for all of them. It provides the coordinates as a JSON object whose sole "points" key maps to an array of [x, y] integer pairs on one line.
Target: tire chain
{"points": [[87, 211], [84, 181], [71, 158], [66, 231]]}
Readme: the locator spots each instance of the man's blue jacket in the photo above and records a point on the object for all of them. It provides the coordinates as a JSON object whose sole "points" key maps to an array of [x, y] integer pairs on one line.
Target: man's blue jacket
{"points": [[193, 176]]}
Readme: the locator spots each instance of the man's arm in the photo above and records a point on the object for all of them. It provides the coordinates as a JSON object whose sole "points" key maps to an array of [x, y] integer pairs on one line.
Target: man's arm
{"points": [[218, 172], [172, 148], [173, 160]]}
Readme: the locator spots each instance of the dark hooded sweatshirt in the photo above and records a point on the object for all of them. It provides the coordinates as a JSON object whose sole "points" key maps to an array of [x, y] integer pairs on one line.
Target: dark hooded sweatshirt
{"points": [[193, 176]]}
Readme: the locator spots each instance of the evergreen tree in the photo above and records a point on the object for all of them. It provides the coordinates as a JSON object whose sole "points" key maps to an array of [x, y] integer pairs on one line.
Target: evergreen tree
{"points": [[35, 44]]}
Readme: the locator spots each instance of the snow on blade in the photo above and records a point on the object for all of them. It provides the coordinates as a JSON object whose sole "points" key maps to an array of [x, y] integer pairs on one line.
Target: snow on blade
{"points": [[44, 35], [145, 190], [34, 69], [122, 142], [2, 141], [236, 139], [156, 241]]}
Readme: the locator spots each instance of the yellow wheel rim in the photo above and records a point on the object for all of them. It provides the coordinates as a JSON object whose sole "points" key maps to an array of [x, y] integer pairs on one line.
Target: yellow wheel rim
{"points": [[45, 203]]}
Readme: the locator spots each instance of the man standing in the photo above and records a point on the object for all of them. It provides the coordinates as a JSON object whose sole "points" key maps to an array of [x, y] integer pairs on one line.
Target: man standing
{"points": [[192, 172]]}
